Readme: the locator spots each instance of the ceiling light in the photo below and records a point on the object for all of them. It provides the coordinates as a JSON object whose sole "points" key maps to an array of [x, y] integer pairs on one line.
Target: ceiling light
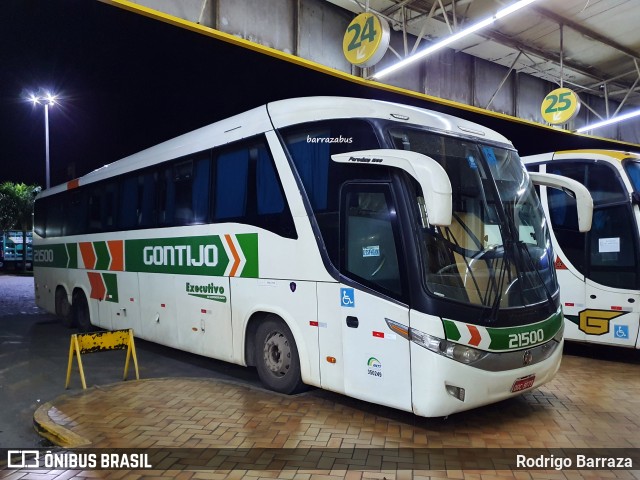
{"points": [[604, 123], [452, 38]]}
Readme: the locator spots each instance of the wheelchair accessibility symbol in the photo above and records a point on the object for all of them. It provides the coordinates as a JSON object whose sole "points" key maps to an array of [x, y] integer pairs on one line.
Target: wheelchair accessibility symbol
{"points": [[621, 331], [347, 297]]}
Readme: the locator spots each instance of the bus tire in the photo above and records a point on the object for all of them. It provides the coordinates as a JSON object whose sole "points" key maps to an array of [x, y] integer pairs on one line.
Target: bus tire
{"points": [[63, 308], [277, 359], [81, 314]]}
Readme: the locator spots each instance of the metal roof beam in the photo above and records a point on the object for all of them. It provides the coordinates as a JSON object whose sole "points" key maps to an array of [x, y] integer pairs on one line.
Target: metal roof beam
{"points": [[587, 32]]}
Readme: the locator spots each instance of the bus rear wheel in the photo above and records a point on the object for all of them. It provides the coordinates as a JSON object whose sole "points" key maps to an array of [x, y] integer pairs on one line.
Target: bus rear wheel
{"points": [[81, 313], [63, 308], [277, 358]]}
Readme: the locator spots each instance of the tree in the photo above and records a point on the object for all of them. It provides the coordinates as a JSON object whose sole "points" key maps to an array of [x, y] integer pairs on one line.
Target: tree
{"points": [[16, 209]]}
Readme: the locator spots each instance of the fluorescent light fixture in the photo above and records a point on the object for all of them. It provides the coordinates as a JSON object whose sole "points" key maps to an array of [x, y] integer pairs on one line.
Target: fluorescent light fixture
{"points": [[604, 123], [452, 38]]}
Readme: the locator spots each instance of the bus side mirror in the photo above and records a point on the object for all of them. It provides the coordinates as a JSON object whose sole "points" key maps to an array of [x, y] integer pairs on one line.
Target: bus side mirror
{"points": [[436, 205], [584, 202]]}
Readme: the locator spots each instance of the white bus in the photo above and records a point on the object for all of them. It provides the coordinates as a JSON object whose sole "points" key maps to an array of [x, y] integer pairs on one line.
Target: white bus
{"points": [[386, 252], [598, 271]]}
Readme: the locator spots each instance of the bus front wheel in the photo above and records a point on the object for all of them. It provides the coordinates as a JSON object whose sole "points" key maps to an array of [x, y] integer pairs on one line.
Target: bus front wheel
{"points": [[277, 357]]}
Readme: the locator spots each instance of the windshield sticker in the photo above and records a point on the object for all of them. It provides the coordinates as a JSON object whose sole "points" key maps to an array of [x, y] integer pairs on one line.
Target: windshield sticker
{"points": [[472, 162], [609, 245], [372, 251], [491, 156]]}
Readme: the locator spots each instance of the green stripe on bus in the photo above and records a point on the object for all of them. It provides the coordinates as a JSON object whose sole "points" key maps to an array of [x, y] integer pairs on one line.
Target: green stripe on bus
{"points": [[111, 283], [508, 338], [511, 338], [72, 253], [451, 331], [249, 244], [202, 255], [103, 258]]}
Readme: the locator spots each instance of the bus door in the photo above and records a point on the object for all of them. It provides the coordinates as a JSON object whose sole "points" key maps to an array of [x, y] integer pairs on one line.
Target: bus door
{"points": [[374, 362], [612, 298], [570, 261], [597, 271]]}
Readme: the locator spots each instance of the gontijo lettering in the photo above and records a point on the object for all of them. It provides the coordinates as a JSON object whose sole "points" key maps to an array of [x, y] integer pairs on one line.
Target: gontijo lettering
{"points": [[181, 255]]}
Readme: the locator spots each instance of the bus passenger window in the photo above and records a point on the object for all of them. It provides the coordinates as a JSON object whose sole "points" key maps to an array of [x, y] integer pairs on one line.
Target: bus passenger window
{"points": [[231, 184], [128, 214], [182, 178], [200, 190], [147, 199]]}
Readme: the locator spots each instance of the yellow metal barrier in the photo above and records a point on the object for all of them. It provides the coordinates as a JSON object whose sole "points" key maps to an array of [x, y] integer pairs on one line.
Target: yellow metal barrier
{"points": [[101, 342]]}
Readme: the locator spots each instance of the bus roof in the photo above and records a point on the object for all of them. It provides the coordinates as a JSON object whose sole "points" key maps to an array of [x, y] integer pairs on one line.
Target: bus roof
{"points": [[279, 114], [287, 112], [588, 154]]}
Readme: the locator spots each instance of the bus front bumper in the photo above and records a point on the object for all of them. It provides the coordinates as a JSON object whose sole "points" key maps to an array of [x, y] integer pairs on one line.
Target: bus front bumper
{"points": [[442, 386]]}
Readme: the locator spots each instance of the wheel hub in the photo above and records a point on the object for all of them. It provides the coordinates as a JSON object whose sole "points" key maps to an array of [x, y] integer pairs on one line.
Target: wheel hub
{"points": [[277, 354]]}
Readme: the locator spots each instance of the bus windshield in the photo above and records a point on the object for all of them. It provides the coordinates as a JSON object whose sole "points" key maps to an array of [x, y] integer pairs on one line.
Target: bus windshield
{"points": [[497, 251]]}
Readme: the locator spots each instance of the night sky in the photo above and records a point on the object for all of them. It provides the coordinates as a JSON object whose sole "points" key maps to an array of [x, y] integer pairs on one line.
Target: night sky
{"points": [[127, 82]]}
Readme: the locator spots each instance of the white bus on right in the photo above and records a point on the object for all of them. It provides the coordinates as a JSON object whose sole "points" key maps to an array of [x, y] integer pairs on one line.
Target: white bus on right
{"points": [[599, 270]]}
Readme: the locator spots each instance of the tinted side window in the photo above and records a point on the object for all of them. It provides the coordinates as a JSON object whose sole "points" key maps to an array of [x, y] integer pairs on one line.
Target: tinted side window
{"points": [[607, 254], [605, 184], [248, 189], [613, 247], [310, 147], [237, 183], [602, 180], [563, 215], [75, 213]]}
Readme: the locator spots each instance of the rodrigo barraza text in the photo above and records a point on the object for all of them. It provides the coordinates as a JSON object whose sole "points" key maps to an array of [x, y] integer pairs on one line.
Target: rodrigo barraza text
{"points": [[581, 461]]}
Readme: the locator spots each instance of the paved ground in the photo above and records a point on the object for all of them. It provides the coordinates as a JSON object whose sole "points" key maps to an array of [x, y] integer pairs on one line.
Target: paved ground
{"points": [[34, 348], [200, 428]]}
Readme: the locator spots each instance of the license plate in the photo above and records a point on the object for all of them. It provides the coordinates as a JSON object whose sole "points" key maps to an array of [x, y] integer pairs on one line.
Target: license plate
{"points": [[523, 383]]}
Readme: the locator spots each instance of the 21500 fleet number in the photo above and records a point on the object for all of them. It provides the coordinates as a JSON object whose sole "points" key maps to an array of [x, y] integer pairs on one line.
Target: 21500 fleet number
{"points": [[43, 256], [525, 339]]}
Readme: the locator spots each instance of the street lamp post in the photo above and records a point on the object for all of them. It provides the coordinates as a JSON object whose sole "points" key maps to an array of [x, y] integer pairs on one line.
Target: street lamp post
{"points": [[47, 100]]}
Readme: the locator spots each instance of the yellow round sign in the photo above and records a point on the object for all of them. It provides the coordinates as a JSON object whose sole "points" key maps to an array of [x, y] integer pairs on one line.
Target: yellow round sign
{"points": [[560, 106], [366, 40]]}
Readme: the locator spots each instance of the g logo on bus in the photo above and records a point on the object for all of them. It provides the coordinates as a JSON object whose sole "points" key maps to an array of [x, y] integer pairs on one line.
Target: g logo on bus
{"points": [[596, 322], [527, 358]]}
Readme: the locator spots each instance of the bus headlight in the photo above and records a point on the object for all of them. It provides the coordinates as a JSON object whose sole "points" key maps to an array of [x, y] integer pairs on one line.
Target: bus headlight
{"points": [[454, 351]]}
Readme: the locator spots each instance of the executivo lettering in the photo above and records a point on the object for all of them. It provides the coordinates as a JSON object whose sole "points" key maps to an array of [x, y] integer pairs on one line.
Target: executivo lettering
{"points": [[209, 291], [181, 255]]}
